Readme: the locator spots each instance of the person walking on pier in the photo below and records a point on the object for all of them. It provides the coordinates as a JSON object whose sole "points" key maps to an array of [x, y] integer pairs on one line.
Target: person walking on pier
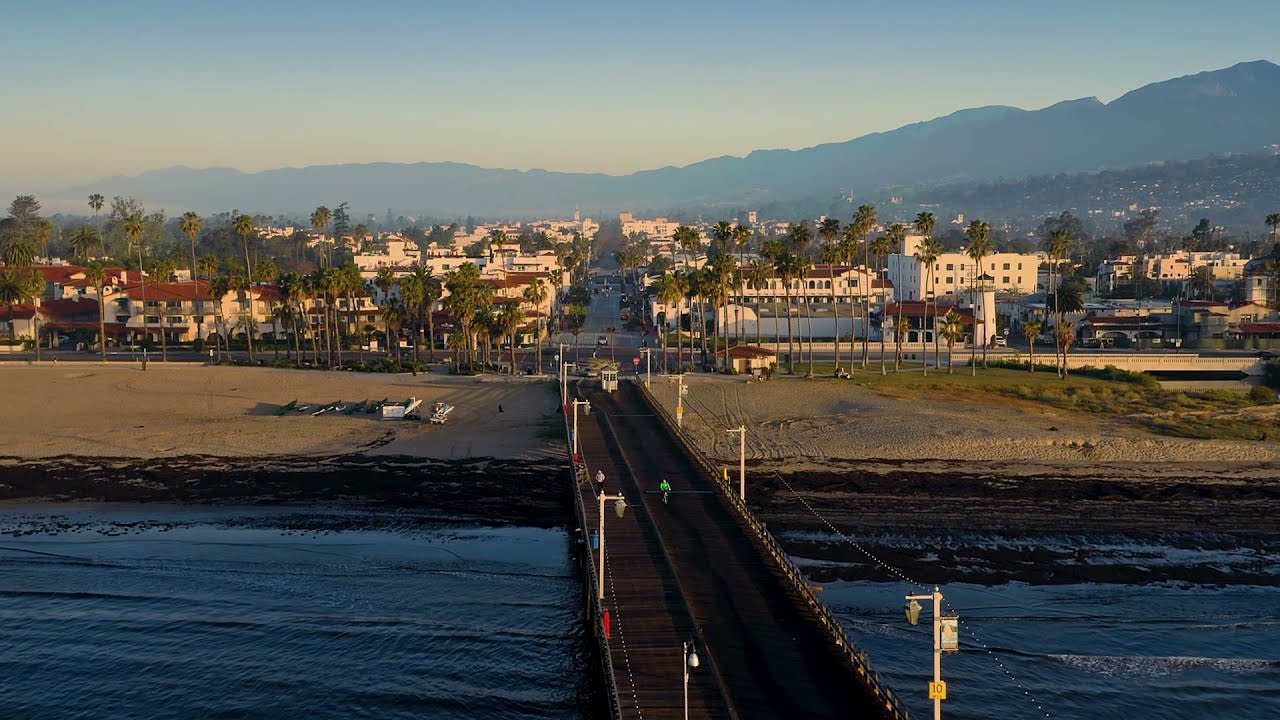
{"points": [[599, 481]]}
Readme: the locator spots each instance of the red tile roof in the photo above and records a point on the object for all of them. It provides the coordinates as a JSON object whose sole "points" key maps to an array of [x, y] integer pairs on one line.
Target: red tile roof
{"points": [[1256, 328], [21, 311], [167, 291], [69, 308]]}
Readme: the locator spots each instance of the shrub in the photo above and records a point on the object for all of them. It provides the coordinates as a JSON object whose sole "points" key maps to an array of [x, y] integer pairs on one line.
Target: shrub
{"points": [[1271, 374], [1261, 395]]}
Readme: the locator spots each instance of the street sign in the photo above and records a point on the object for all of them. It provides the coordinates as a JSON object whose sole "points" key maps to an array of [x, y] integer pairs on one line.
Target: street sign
{"points": [[635, 361], [938, 690]]}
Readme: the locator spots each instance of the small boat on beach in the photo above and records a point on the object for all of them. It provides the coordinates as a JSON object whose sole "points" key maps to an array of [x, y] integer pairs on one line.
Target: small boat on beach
{"points": [[440, 412]]}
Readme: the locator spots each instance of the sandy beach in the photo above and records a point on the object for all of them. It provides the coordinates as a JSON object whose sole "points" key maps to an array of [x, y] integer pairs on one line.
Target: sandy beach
{"points": [[798, 424], [824, 451], [184, 409]]}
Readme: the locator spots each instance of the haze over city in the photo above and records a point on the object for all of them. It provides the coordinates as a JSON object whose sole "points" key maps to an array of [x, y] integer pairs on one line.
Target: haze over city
{"points": [[457, 360], [93, 91]]}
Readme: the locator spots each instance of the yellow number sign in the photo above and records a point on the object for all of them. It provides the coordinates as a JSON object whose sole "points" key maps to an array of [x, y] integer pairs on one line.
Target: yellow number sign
{"points": [[938, 690]]}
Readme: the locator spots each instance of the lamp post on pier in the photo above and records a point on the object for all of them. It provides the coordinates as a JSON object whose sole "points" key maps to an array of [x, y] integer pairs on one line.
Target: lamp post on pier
{"points": [[620, 507], [564, 382], [742, 460], [688, 661], [648, 368], [576, 405]]}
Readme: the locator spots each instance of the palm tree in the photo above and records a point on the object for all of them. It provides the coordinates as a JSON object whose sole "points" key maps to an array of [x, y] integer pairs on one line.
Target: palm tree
{"points": [[952, 330], [690, 241], [864, 219], [95, 202], [721, 234], [1273, 220], [669, 291], [742, 235], [384, 279], [1063, 335], [758, 273], [392, 313], [799, 235], [334, 285], [723, 274], [900, 332], [18, 250], [291, 292], [1059, 246], [320, 222], [897, 235], [134, 226], [96, 273], [880, 249], [432, 290], [788, 267], [1031, 330], [219, 286], [244, 291], [190, 225], [508, 320], [467, 297], [927, 255], [831, 254], [17, 286], [979, 233], [413, 292], [925, 222], [243, 225], [84, 241], [535, 293]]}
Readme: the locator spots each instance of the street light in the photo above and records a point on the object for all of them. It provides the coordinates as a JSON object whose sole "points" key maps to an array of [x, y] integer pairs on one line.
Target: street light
{"points": [[688, 661], [577, 403], [742, 460], [564, 383], [945, 637], [648, 369], [620, 507]]}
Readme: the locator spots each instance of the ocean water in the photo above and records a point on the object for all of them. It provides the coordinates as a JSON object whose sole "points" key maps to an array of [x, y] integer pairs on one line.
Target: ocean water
{"points": [[153, 613], [1135, 650]]}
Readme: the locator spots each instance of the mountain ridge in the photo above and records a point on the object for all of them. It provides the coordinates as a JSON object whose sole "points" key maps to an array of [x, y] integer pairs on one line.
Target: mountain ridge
{"points": [[1234, 109]]}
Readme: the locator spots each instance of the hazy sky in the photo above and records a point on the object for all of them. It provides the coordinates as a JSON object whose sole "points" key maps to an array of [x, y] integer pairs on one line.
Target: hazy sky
{"points": [[92, 89]]}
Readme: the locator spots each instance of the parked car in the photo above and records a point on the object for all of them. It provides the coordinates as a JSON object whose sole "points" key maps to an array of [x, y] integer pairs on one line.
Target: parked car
{"points": [[602, 340], [999, 341]]}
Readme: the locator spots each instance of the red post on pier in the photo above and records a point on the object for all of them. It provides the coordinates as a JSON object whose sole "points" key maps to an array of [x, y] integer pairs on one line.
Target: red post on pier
{"points": [[608, 624]]}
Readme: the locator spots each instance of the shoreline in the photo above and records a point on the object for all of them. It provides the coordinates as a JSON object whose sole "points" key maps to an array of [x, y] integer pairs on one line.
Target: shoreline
{"points": [[862, 459]]}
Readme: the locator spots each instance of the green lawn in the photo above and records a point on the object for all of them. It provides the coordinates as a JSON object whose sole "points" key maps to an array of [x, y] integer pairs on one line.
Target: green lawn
{"points": [[1136, 398]]}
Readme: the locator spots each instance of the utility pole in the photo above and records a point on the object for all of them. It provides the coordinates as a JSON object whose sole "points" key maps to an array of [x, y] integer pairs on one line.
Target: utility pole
{"points": [[680, 401], [620, 508], [937, 688], [742, 460]]}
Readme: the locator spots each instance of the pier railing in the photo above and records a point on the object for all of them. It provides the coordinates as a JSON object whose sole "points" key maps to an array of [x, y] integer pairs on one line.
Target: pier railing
{"points": [[578, 476], [857, 659]]}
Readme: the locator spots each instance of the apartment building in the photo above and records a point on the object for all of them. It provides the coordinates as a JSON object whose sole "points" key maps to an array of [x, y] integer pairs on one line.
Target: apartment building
{"points": [[953, 273]]}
